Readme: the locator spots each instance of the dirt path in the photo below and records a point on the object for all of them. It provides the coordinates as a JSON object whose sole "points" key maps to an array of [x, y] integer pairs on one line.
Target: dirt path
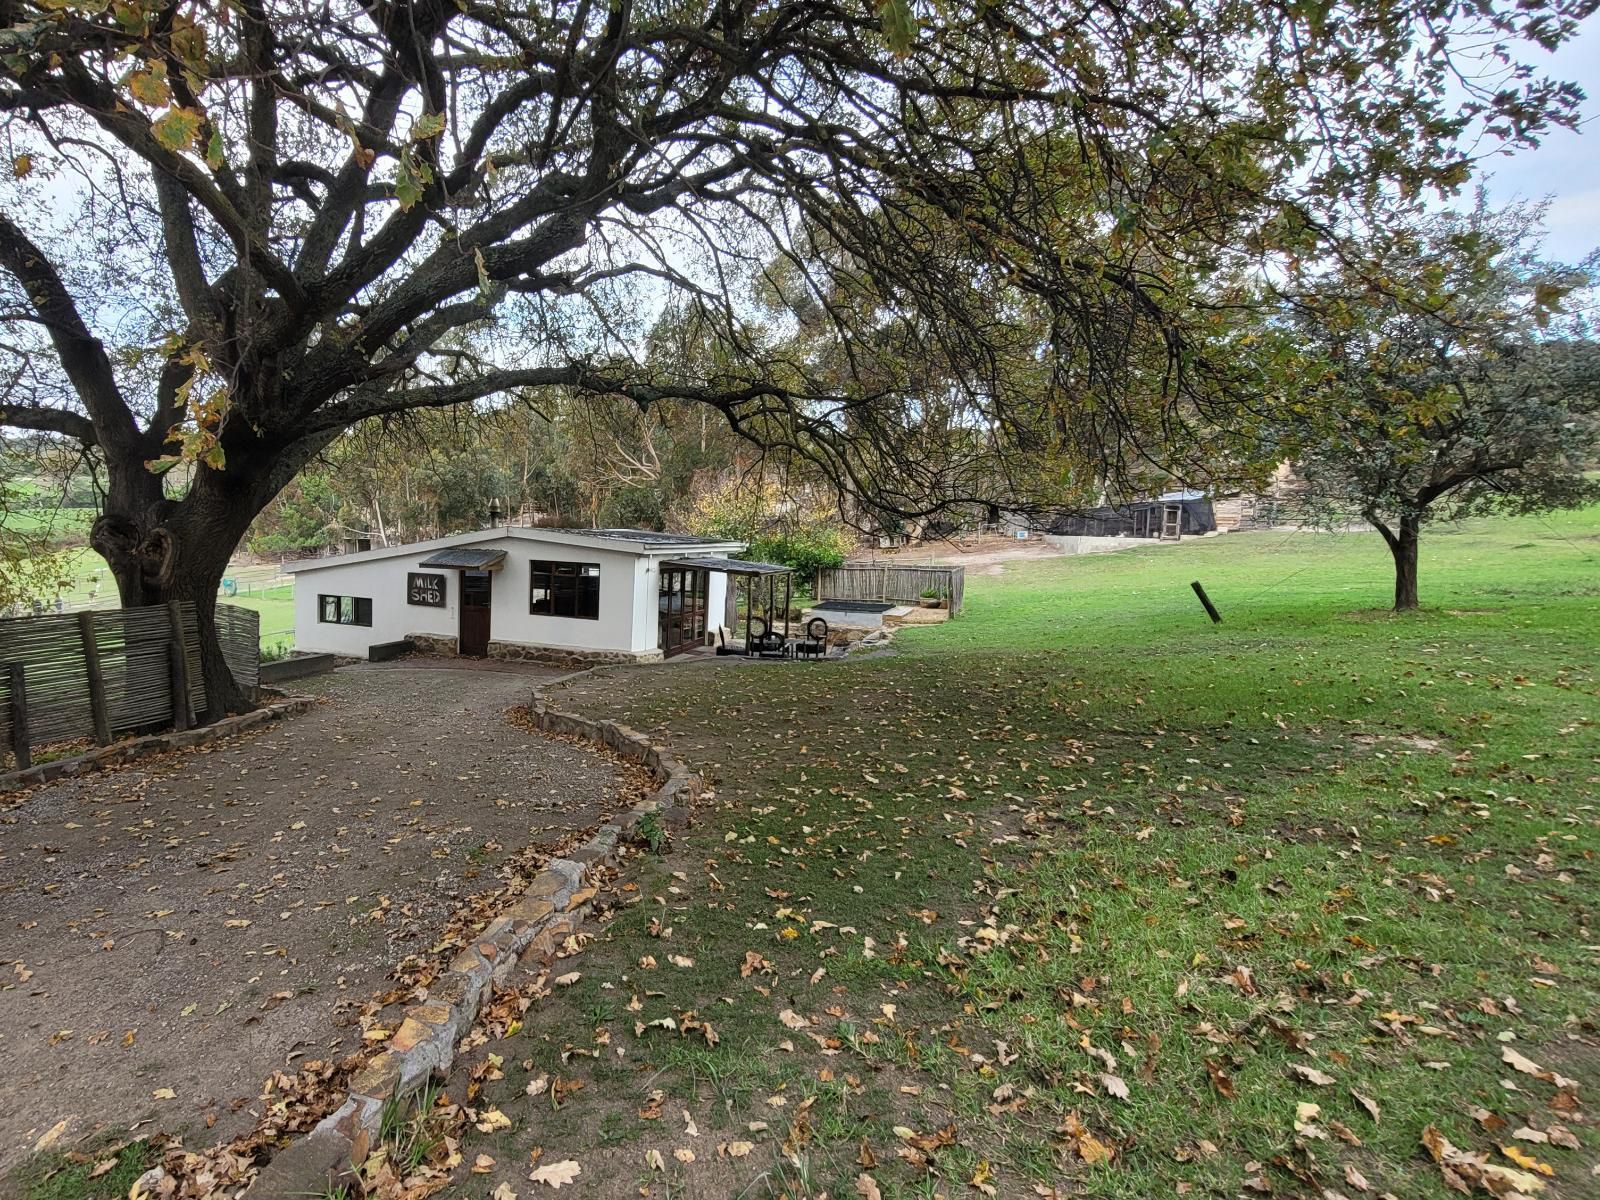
{"points": [[974, 552], [176, 931]]}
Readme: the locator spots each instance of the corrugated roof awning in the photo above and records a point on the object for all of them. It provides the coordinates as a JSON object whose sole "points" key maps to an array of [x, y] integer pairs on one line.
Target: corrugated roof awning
{"points": [[465, 558], [733, 566]]}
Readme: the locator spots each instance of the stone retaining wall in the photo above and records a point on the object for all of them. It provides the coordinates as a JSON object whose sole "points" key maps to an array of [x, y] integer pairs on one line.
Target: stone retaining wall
{"points": [[547, 656], [531, 930], [156, 743], [560, 656]]}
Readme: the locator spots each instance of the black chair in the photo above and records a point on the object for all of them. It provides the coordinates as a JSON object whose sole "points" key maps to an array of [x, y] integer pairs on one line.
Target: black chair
{"points": [[765, 642], [816, 640]]}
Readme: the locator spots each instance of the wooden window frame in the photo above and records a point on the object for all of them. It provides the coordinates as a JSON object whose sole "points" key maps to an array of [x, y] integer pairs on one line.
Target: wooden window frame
{"points": [[346, 610], [569, 589]]}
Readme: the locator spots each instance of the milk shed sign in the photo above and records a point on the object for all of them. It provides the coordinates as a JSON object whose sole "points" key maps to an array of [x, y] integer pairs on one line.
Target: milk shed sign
{"points": [[425, 588]]}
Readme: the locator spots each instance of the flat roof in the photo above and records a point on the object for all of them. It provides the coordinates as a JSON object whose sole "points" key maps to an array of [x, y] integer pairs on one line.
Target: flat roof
{"points": [[643, 542], [733, 566], [646, 537]]}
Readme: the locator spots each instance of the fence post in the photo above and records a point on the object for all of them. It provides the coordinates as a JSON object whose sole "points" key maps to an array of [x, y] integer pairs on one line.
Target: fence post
{"points": [[20, 747], [178, 668], [97, 680]]}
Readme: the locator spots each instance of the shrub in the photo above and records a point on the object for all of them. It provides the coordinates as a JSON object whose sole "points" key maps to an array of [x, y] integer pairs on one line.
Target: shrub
{"points": [[804, 535], [274, 651]]}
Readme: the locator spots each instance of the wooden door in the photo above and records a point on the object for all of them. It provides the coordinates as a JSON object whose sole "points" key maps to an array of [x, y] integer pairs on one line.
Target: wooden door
{"points": [[1172, 522], [475, 591], [682, 609]]}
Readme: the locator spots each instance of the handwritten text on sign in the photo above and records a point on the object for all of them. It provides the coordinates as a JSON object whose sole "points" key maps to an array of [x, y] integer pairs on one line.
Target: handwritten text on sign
{"points": [[425, 589]]}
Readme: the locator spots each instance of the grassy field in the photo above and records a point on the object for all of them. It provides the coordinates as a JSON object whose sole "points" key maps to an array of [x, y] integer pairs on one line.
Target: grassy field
{"points": [[67, 524], [1081, 894]]}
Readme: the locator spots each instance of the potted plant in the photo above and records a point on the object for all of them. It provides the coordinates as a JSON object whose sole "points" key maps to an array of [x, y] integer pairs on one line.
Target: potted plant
{"points": [[932, 598]]}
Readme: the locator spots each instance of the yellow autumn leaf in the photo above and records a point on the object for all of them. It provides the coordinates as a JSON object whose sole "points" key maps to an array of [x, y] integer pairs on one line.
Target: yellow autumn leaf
{"points": [[1526, 1161], [177, 128], [150, 85]]}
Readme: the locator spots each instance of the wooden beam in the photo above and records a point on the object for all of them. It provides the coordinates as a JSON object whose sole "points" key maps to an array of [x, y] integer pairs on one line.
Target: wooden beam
{"points": [[97, 680], [178, 668], [20, 747]]}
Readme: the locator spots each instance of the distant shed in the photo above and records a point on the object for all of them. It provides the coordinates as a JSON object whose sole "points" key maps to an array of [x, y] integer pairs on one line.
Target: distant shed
{"points": [[1172, 515]]}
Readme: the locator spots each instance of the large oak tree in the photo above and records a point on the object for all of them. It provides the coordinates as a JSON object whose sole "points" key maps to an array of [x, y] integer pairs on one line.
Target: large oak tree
{"points": [[238, 227]]}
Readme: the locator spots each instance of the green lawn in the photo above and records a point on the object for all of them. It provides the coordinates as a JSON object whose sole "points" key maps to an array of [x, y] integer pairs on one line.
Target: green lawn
{"points": [[1081, 892], [276, 606]]}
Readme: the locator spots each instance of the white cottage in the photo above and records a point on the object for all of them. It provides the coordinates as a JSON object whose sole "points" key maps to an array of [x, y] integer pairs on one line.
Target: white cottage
{"points": [[560, 596]]}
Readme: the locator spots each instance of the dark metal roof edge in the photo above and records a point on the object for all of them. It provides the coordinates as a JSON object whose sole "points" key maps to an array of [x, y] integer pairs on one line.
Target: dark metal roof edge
{"points": [[464, 558], [733, 566]]}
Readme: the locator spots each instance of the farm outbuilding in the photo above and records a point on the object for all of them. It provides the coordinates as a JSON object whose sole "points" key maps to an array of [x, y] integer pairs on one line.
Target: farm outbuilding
{"points": [[1175, 514], [560, 596]]}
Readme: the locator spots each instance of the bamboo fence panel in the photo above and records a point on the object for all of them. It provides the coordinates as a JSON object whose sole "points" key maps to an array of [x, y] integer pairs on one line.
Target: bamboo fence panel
{"points": [[905, 584], [133, 649], [240, 632]]}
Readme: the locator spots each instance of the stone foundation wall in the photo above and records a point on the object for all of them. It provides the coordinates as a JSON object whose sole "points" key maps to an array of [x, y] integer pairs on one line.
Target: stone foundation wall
{"points": [[432, 643], [562, 656], [545, 656]]}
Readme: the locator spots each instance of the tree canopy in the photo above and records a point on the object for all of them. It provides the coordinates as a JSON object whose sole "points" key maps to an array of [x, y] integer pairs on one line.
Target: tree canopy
{"points": [[1450, 372], [237, 227]]}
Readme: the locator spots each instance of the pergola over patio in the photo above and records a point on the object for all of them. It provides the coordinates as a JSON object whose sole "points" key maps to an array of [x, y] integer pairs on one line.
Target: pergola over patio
{"points": [[760, 583]]}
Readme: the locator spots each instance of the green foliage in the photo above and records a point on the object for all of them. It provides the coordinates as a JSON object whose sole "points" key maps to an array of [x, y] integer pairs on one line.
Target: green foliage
{"points": [[411, 1130], [899, 24], [276, 651], [305, 516], [653, 831], [633, 506], [28, 570], [799, 532], [806, 548]]}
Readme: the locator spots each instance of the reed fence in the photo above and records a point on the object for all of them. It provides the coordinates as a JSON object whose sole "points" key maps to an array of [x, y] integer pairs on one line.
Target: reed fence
{"points": [[903, 584], [103, 674]]}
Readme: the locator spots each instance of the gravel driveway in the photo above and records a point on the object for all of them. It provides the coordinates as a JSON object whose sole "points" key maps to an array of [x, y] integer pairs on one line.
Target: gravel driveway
{"points": [[175, 931]]}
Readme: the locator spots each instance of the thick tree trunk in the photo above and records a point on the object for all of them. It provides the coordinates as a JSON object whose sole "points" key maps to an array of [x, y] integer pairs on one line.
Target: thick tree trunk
{"points": [[1404, 551], [160, 550]]}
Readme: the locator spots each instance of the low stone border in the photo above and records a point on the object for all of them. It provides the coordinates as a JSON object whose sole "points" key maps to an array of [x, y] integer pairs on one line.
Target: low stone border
{"points": [[535, 926], [677, 784], [129, 749]]}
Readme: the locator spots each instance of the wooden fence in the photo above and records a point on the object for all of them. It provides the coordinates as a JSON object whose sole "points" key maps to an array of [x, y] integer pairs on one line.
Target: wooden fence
{"points": [[104, 673], [870, 581]]}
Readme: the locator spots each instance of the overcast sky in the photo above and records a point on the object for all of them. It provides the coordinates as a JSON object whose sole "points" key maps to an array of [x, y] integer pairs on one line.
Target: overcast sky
{"points": [[1566, 167]]}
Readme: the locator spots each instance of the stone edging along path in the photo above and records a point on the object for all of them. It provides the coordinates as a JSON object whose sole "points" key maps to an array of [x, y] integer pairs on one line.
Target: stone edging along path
{"points": [[532, 929], [129, 749]]}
